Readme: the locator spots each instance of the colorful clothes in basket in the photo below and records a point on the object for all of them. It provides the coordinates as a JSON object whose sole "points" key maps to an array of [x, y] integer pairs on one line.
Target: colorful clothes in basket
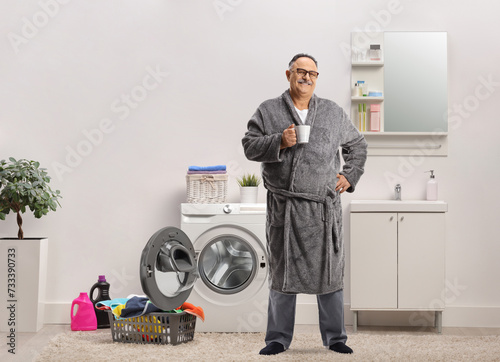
{"points": [[136, 306], [192, 309]]}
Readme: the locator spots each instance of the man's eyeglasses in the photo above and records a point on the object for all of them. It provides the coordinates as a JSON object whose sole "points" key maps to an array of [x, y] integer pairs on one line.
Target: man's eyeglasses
{"points": [[303, 72]]}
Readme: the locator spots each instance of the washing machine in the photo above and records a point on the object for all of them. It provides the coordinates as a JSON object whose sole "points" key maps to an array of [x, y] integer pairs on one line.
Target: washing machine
{"points": [[230, 246]]}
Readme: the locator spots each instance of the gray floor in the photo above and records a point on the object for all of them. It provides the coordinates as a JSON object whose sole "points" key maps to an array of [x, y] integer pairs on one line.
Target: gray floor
{"points": [[30, 344]]}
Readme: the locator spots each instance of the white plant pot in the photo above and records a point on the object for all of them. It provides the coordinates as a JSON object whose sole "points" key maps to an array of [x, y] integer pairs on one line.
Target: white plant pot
{"points": [[23, 292], [249, 194]]}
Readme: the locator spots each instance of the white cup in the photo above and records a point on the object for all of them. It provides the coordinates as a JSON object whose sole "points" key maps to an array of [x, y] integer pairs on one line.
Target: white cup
{"points": [[302, 132]]}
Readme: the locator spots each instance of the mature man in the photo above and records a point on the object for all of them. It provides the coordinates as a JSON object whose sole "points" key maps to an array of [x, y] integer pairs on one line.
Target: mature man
{"points": [[304, 214]]}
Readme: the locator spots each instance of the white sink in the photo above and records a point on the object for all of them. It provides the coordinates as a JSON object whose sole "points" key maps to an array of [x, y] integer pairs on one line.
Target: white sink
{"points": [[398, 206]]}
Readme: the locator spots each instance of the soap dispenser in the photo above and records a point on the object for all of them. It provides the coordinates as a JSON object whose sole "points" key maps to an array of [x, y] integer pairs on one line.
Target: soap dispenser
{"points": [[432, 187]]}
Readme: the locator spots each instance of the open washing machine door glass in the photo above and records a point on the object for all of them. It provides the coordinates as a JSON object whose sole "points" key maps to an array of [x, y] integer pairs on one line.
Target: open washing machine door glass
{"points": [[227, 264], [168, 268]]}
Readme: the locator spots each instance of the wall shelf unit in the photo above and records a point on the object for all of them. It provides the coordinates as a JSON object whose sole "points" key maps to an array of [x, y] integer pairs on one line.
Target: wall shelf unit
{"points": [[407, 126]]}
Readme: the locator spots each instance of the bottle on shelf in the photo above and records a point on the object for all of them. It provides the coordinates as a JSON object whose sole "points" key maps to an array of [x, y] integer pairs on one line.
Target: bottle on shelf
{"points": [[360, 117], [375, 117], [365, 89], [375, 52], [361, 84], [364, 117], [360, 54]]}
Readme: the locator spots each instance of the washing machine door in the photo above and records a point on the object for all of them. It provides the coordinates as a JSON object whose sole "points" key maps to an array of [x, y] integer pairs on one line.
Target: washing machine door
{"points": [[168, 268]]}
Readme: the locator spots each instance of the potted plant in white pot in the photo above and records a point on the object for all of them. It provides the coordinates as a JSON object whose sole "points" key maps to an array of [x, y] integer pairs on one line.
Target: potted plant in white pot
{"points": [[249, 188], [23, 184]]}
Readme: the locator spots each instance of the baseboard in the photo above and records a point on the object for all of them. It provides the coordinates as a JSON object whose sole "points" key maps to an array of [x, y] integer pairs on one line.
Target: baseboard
{"points": [[488, 317], [57, 313], [453, 316], [307, 313]]}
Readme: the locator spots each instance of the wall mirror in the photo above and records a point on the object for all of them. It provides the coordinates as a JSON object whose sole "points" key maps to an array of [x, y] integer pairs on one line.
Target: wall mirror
{"points": [[415, 82]]}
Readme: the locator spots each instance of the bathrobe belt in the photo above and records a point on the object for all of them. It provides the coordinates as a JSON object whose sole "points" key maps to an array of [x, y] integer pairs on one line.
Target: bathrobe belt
{"points": [[328, 206]]}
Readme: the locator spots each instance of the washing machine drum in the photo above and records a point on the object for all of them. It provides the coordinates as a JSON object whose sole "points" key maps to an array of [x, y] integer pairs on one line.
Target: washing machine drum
{"points": [[168, 268]]}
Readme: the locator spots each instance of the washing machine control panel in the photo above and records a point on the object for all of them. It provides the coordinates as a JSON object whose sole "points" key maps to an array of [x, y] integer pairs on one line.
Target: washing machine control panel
{"points": [[227, 209]]}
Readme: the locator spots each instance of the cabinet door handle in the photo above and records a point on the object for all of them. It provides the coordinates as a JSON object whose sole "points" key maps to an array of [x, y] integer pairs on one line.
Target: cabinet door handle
{"points": [[392, 218], [402, 218]]}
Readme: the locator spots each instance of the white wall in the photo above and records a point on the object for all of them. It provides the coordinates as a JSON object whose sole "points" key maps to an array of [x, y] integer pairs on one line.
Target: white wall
{"points": [[66, 66]]}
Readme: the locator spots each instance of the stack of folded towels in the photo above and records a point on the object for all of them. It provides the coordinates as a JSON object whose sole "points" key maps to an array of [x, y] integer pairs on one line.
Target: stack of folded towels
{"points": [[218, 169]]}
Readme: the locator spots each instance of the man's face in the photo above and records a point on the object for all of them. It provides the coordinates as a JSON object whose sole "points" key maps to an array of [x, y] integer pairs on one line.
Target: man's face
{"points": [[302, 85]]}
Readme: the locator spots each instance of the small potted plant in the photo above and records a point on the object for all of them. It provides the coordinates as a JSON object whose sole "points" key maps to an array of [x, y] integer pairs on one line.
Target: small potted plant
{"points": [[23, 185], [249, 188]]}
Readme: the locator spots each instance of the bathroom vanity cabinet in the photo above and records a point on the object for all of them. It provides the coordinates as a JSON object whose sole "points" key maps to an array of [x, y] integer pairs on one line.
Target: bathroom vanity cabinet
{"points": [[398, 259]]}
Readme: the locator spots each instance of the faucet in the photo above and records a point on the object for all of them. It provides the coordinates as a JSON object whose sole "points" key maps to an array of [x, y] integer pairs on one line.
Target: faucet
{"points": [[397, 190]]}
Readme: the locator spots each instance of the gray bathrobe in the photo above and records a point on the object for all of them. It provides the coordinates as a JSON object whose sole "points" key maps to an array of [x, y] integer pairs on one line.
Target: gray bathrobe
{"points": [[304, 213]]}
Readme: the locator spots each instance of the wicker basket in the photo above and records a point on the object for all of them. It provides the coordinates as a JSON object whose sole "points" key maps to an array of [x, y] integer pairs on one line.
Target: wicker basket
{"points": [[206, 188], [154, 328]]}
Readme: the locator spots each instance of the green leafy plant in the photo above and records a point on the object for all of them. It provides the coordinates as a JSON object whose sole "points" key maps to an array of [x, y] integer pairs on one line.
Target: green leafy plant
{"points": [[249, 180], [24, 184]]}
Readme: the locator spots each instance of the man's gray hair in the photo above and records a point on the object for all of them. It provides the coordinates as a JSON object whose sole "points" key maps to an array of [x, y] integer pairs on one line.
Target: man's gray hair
{"points": [[301, 55]]}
